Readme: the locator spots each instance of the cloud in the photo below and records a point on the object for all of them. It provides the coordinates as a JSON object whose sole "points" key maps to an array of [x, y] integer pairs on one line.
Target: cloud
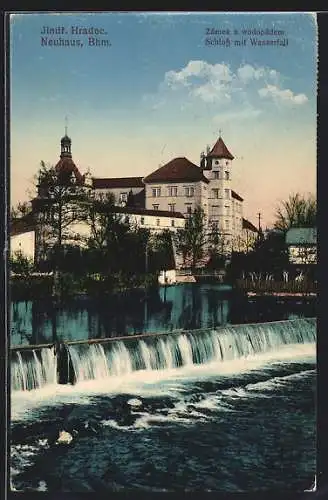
{"points": [[211, 92], [201, 69], [247, 73], [286, 95], [233, 89], [209, 82], [216, 82]]}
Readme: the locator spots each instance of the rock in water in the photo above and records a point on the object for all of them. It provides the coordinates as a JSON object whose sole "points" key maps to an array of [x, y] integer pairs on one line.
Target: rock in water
{"points": [[135, 403], [64, 438]]}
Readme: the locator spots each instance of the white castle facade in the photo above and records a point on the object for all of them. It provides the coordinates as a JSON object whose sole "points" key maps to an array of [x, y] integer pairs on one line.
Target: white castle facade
{"points": [[179, 186], [164, 199]]}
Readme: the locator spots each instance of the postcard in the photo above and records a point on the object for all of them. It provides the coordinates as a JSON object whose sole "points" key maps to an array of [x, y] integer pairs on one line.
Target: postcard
{"points": [[163, 252]]}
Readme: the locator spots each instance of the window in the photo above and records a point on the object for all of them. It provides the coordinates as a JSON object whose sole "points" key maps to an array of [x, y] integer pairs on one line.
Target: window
{"points": [[155, 207], [158, 222], [189, 191], [216, 175], [215, 225], [173, 191], [227, 224], [189, 209], [214, 209], [156, 192], [216, 162], [215, 193], [142, 220], [172, 222], [226, 175], [123, 197], [172, 207], [227, 193], [227, 209]]}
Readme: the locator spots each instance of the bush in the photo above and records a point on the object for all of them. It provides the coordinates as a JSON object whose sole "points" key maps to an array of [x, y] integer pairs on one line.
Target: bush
{"points": [[20, 264]]}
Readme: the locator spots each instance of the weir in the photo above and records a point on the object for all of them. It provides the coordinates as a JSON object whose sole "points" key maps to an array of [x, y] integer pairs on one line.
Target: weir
{"points": [[77, 361], [33, 369]]}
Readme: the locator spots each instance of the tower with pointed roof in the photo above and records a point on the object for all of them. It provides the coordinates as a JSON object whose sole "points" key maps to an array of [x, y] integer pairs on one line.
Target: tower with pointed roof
{"points": [[62, 182], [216, 166], [66, 169], [66, 145]]}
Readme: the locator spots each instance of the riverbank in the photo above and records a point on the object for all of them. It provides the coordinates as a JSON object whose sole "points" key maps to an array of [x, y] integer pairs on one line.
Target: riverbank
{"points": [[38, 286]]}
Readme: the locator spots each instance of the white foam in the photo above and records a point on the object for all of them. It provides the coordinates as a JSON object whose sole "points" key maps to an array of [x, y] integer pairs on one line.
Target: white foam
{"points": [[275, 382], [170, 382]]}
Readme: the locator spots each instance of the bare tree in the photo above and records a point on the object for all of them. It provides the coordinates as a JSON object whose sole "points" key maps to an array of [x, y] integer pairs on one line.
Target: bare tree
{"points": [[192, 240], [297, 211], [20, 210]]}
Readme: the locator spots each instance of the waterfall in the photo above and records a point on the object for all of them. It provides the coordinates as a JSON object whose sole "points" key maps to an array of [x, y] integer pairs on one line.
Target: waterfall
{"points": [[120, 357], [33, 369]]}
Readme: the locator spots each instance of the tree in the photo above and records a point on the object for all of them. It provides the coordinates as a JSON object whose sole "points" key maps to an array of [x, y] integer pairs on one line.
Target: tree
{"points": [[217, 244], [115, 245], [297, 211], [108, 232], [270, 254], [21, 264], [192, 240], [61, 202], [130, 200], [101, 217], [162, 251], [20, 210]]}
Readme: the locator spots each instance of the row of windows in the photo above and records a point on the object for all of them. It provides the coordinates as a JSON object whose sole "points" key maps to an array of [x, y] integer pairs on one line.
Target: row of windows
{"points": [[158, 222], [188, 191], [215, 209], [218, 163], [217, 174], [171, 207], [215, 224], [216, 193], [173, 191]]}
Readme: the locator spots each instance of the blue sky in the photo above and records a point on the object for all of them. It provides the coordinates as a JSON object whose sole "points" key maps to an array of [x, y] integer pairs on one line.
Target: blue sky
{"points": [[159, 92]]}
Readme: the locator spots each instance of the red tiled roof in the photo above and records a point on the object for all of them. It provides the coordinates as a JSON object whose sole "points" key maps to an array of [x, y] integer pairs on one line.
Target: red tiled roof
{"points": [[236, 196], [66, 166], [177, 170], [220, 150], [117, 182], [249, 225]]}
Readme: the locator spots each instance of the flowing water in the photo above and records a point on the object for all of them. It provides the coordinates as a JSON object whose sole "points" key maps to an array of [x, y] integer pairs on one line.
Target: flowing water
{"points": [[222, 409]]}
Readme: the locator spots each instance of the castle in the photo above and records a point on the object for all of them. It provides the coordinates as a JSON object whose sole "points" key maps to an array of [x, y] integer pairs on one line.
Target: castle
{"points": [[165, 198]]}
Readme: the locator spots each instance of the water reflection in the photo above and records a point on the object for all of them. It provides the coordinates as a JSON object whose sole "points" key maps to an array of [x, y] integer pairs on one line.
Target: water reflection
{"points": [[187, 306]]}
